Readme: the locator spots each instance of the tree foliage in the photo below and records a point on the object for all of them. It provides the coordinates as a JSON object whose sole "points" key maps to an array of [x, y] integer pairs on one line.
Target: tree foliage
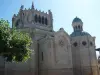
{"points": [[14, 45]]}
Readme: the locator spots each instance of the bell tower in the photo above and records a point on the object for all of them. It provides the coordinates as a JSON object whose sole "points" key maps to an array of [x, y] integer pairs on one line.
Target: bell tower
{"points": [[33, 18], [32, 7], [77, 24]]}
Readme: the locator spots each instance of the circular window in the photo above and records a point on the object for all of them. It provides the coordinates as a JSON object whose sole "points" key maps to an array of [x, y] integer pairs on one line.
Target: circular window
{"points": [[84, 43], [91, 43], [75, 44]]}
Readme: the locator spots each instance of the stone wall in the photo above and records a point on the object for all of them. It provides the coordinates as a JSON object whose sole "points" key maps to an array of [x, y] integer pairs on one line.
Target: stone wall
{"points": [[57, 57], [84, 55]]}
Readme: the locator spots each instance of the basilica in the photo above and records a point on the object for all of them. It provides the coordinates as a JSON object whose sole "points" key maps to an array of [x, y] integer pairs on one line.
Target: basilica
{"points": [[54, 52]]}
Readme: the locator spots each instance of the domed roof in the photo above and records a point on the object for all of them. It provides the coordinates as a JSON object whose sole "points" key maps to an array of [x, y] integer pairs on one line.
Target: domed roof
{"points": [[78, 31], [76, 19], [74, 34]]}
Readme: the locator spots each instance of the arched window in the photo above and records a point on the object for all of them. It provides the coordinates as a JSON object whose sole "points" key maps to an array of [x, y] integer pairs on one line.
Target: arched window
{"points": [[42, 56], [36, 18], [91, 43], [42, 20], [39, 19], [17, 23], [75, 44], [23, 14], [78, 27], [46, 21]]}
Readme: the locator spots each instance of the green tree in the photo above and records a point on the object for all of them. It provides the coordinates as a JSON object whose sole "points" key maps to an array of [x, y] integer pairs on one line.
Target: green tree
{"points": [[14, 45]]}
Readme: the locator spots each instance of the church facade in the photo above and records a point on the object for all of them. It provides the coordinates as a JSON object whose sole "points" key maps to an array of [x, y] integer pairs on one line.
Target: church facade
{"points": [[54, 53]]}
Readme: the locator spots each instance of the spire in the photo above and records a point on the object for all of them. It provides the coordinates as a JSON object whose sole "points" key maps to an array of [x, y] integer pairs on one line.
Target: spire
{"points": [[49, 11], [22, 6], [32, 7]]}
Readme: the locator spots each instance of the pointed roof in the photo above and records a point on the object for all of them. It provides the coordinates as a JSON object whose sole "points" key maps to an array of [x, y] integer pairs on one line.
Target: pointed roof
{"points": [[22, 6], [32, 5]]}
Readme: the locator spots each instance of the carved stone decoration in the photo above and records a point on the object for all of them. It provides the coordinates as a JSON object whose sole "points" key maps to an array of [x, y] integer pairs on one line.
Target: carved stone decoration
{"points": [[61, 43]]}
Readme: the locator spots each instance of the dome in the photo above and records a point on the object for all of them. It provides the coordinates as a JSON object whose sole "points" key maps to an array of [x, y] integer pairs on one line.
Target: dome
{"points": [[74, 34], [78, 28], [76, 20]]}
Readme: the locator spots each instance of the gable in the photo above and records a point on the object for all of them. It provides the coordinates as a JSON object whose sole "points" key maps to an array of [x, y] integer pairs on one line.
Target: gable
{"points": [[61, 34]]}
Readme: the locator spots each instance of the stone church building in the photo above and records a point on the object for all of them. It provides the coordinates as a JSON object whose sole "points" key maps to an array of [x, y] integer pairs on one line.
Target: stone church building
{"points": [[54, 53]]}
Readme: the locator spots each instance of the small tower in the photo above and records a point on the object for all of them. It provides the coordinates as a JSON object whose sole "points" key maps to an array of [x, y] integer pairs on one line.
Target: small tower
{"points": [[32, 7], [83, 50], [77, 24], [33, 18], [22, 7]]}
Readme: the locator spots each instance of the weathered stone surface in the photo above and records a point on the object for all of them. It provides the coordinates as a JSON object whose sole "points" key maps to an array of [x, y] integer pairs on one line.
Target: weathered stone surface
{"points": [[54, 53]]}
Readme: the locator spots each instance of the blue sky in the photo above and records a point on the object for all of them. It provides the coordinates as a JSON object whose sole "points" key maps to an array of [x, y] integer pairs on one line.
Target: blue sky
{"points": [[63, 13]]}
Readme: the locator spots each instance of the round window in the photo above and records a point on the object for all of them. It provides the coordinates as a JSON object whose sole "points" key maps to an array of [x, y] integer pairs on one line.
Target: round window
{"points": [[84, 43], [75, 44]]}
